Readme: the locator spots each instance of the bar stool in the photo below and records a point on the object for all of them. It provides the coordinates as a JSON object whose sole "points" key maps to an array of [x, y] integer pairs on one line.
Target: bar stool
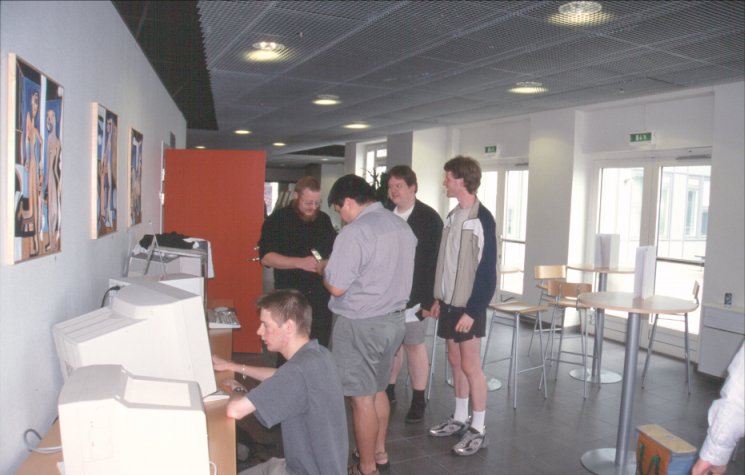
{"points": [[674, 317], [565, 296], [545, 274], [508, 314]]}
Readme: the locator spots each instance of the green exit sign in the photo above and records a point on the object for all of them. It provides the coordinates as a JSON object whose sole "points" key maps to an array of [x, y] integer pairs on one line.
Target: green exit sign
{"points": [[490, 149], [641, 137]]}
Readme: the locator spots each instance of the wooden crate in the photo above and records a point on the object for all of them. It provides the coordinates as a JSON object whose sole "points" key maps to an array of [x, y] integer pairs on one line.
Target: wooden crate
{"points": [[658, 452]]}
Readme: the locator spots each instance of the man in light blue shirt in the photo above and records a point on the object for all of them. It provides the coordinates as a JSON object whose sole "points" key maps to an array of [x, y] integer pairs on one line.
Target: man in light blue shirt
{"points": [[369, 277]]}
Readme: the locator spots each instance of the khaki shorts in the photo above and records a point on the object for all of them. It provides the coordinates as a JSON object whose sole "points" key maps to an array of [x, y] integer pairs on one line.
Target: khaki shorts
{"points": [[416, 331], [364, 350]]}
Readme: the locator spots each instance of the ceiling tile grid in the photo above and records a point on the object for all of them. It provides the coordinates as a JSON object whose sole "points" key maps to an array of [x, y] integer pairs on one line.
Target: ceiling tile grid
{"points": [[404, 65]]}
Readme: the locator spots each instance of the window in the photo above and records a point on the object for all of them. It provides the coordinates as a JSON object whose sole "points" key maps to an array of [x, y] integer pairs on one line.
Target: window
{"points": [[684, 204], [375, 162], [664, 204], [621, 209], [513, 231], [509, 209]]}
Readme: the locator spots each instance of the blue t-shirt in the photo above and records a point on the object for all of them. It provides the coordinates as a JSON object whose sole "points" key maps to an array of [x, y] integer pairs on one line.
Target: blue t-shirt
{"points": [[305, 396], [373, 261]]}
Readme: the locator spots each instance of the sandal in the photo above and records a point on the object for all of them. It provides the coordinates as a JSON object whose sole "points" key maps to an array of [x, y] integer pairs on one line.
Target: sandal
{"points": [[354, 469], [383, 468]]}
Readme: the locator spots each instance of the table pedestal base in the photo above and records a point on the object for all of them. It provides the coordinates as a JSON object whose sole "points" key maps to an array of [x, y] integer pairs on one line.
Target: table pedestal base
{"points": [[603, 462], [606, 377]]}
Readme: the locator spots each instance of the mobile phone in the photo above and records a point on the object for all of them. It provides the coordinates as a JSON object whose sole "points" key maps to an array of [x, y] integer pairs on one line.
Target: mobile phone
{"points": [[317, 255]]}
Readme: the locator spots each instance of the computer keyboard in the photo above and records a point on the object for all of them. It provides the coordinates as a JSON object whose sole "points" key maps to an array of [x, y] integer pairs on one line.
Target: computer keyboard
{"points": [[222, 317]]}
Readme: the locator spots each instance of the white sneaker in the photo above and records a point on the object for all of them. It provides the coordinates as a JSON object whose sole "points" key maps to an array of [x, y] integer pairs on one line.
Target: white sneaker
{"points": [[471, 442], [449, 427]]}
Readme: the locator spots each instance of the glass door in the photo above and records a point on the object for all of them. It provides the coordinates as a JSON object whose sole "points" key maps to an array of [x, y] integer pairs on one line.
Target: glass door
{"points": [[664, 204], [504, 192], [683, 216]]}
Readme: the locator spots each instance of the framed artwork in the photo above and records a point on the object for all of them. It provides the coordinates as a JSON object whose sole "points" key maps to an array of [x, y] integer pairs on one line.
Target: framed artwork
{"points": [[105, 184], [135, 177], [35, 143]]}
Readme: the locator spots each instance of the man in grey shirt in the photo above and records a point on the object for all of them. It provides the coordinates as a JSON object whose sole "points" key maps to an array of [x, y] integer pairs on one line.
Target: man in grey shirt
{"points": [[304, 395], [369, 277]]}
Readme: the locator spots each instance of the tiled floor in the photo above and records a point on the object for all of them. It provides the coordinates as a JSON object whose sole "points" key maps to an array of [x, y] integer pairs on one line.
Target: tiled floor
{"points": [[548, 436]]}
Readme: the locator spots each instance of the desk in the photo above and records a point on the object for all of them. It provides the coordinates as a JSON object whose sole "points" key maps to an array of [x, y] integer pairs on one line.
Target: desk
{"points": [[220, 428], [597, 374], [617, 460]]}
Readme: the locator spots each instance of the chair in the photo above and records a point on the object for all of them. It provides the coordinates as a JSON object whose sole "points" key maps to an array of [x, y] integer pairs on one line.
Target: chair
{"points": [[674, 317], [545, 274], [565, 296], [514, 310]]}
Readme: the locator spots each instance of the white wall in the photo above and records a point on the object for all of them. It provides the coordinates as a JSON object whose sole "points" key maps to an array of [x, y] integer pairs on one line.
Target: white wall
{"points": [[329, 175], [551, 162], [428, 155], [725, 246], [511, 135], [85, 47], [399, 149]]}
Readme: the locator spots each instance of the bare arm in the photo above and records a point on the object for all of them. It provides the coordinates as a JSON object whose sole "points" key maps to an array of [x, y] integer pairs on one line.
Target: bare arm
{"points": [[239, 406], [279, 261], [335, 291], [258, 373]]}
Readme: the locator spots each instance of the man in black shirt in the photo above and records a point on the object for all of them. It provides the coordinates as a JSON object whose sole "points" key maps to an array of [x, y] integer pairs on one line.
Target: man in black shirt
{"points": [[288, 237]]}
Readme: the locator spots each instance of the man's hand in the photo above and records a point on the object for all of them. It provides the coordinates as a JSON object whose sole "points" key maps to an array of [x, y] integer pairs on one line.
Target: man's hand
{"points": [[308, 263], [220, 364], [465, 323], [434, 310], [703, 467]]}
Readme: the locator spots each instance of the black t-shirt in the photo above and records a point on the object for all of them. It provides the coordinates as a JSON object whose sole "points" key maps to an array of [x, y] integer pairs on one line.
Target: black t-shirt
{"points": [[285, 233]]}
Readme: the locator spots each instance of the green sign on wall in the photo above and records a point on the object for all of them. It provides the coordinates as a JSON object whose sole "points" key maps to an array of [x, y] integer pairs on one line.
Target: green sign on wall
{"points": [[641, 137]]}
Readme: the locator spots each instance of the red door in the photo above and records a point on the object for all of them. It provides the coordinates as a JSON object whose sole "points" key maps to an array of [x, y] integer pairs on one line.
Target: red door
{"points": [[218, 195]]}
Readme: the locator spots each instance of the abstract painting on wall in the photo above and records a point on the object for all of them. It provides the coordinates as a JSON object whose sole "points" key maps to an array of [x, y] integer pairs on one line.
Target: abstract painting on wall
{"points": [[105, 165], [35, 143], [135, 177]]}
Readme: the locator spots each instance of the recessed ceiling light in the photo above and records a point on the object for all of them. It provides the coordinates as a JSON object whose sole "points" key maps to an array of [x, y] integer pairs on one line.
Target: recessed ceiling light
{"points": [[265, 51], [357, 125], [326, 100], [580, 8], [279, 144], [200, 146], [528, 87], [242, 132], [580, 13]]}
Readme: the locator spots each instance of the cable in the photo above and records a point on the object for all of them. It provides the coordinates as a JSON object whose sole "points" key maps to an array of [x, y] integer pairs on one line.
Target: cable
{"points": [[105, 294], [213, 464], [42, 450]]}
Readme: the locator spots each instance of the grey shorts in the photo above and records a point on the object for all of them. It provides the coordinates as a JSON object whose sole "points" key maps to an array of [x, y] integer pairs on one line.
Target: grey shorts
{"points": [[416, 331], [364, 350]]}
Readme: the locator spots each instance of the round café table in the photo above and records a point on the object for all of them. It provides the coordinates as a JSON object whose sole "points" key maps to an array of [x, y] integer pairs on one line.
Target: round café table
{"points": [[597, 374], [618, 460]]}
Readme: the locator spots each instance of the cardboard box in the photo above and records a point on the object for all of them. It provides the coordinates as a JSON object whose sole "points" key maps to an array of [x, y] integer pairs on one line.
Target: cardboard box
{"points": [[658, 452]]}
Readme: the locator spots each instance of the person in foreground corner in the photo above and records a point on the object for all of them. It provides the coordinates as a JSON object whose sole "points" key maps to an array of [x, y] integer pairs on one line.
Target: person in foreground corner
{"points": [[726, 421], [369, 276], [304, 395], [427, 227], [465, 280]]}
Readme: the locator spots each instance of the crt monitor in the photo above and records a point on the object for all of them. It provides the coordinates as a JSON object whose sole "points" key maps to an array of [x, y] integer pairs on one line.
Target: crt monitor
{"points": [[151, 329], [190, 283], [116, 423]]}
